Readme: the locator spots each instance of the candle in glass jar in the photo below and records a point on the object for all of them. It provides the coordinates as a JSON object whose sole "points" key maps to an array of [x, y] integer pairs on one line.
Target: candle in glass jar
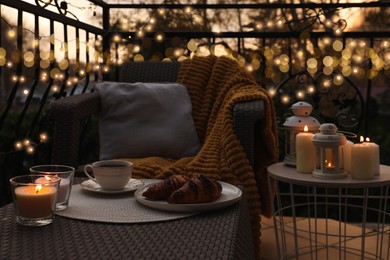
{"points": [[63, 190], [35, 201], [304, 152]]}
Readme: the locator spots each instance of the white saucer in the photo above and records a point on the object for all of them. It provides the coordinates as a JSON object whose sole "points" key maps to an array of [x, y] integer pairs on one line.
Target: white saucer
{"points": [[90, 185]]}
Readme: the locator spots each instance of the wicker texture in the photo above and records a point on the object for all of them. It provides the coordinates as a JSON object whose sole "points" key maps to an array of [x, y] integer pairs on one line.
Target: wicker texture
{"points": [[223, 234], [69, 114]]}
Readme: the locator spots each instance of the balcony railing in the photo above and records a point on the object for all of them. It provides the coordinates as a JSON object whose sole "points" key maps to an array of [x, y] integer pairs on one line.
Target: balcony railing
{"points": [[303, 53]]}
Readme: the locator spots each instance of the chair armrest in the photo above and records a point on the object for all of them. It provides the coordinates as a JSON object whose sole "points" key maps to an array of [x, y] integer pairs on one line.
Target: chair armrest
{"points": [[245, 116], [68, 114]]}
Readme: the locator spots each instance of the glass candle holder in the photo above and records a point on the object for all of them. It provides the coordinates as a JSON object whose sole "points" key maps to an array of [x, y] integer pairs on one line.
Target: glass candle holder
{"points": [[66, 173], [34, 202]]}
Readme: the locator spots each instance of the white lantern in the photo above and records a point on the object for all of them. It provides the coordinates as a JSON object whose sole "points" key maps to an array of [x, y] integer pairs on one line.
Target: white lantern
{"points": [[328, 153], [294, 125]]}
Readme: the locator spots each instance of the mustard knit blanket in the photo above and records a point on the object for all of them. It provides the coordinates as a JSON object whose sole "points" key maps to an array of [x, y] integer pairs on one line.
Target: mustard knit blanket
{"points": [[215, 85]]}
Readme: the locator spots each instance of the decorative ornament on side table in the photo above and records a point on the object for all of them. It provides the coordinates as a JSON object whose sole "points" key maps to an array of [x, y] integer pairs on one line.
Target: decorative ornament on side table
{"points": [[328, 153], [294, 125]]}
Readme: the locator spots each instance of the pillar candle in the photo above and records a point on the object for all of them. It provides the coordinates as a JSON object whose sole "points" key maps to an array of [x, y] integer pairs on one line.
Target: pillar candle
{"points": [[35, 201], [304, 152], [362, 161]]}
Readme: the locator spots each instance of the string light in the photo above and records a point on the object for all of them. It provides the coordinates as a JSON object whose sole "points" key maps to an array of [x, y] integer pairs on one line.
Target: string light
{"points": [[300, 94], [276, 62], [187, 9], [43, 76], [310, 89], [28, 58], [43, 137], [11, 33], [326, 83], [161, 11], [272, 91], [140, 33], [26, 142], [159, 37], [18, 145], [338, 32], [30, 149], [338, 79], [285, 99], [249, 68]]}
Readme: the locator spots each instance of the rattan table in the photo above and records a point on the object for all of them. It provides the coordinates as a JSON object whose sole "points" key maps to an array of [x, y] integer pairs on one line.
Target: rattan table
{"points": [[221, 234], [313, 217]]}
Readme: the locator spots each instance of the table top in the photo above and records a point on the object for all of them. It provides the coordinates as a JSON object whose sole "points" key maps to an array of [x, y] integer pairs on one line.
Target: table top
{"points": [[282, 172], [220, 234]]}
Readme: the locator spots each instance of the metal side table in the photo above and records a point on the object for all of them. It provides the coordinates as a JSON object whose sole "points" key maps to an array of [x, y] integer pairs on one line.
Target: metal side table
{"points": [[330, 218]]}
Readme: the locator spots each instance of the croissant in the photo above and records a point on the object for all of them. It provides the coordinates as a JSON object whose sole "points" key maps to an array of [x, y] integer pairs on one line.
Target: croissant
{"points": [[199, 189], [162, 190]]}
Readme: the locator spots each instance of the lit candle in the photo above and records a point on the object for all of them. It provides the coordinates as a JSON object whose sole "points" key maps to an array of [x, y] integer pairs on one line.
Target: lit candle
{"points": [[35, 201], [329, 165], [304, 152], [63, 190], [362, 158]]}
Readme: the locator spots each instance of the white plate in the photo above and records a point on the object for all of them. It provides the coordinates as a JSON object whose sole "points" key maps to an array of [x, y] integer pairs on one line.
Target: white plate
{"points": [[230, 195], [90, 185]]}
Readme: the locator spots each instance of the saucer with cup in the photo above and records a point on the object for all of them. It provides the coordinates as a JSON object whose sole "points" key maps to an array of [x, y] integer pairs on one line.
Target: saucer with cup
{"points": [[110, 176]]}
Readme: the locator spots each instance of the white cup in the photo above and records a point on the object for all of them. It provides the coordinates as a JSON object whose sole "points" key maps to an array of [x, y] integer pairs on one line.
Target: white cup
{"points": [[110, 174]]}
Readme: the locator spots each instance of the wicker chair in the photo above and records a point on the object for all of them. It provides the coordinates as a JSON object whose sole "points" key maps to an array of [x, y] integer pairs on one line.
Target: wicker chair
{"points": [[70, 112]]}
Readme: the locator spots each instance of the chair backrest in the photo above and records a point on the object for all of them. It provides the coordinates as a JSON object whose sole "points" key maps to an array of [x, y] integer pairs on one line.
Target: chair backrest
{"points": [[158, 71]]}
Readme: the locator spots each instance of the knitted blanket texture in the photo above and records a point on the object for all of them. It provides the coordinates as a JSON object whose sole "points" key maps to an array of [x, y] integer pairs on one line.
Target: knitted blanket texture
{"points": [[215, 85]]}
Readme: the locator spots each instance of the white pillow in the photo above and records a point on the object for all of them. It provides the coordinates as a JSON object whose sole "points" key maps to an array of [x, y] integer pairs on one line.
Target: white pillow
{"points": [[146, 119]]}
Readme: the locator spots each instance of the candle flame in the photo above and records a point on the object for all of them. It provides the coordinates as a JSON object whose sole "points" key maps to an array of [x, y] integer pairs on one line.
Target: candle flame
{"points": [[38, 189], [367, 139], [361, 139], [306, 129], [328, 164]]}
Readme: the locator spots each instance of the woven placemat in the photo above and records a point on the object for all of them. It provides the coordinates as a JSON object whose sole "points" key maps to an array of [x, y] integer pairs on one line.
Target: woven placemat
{"points": [[113, 208]]}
